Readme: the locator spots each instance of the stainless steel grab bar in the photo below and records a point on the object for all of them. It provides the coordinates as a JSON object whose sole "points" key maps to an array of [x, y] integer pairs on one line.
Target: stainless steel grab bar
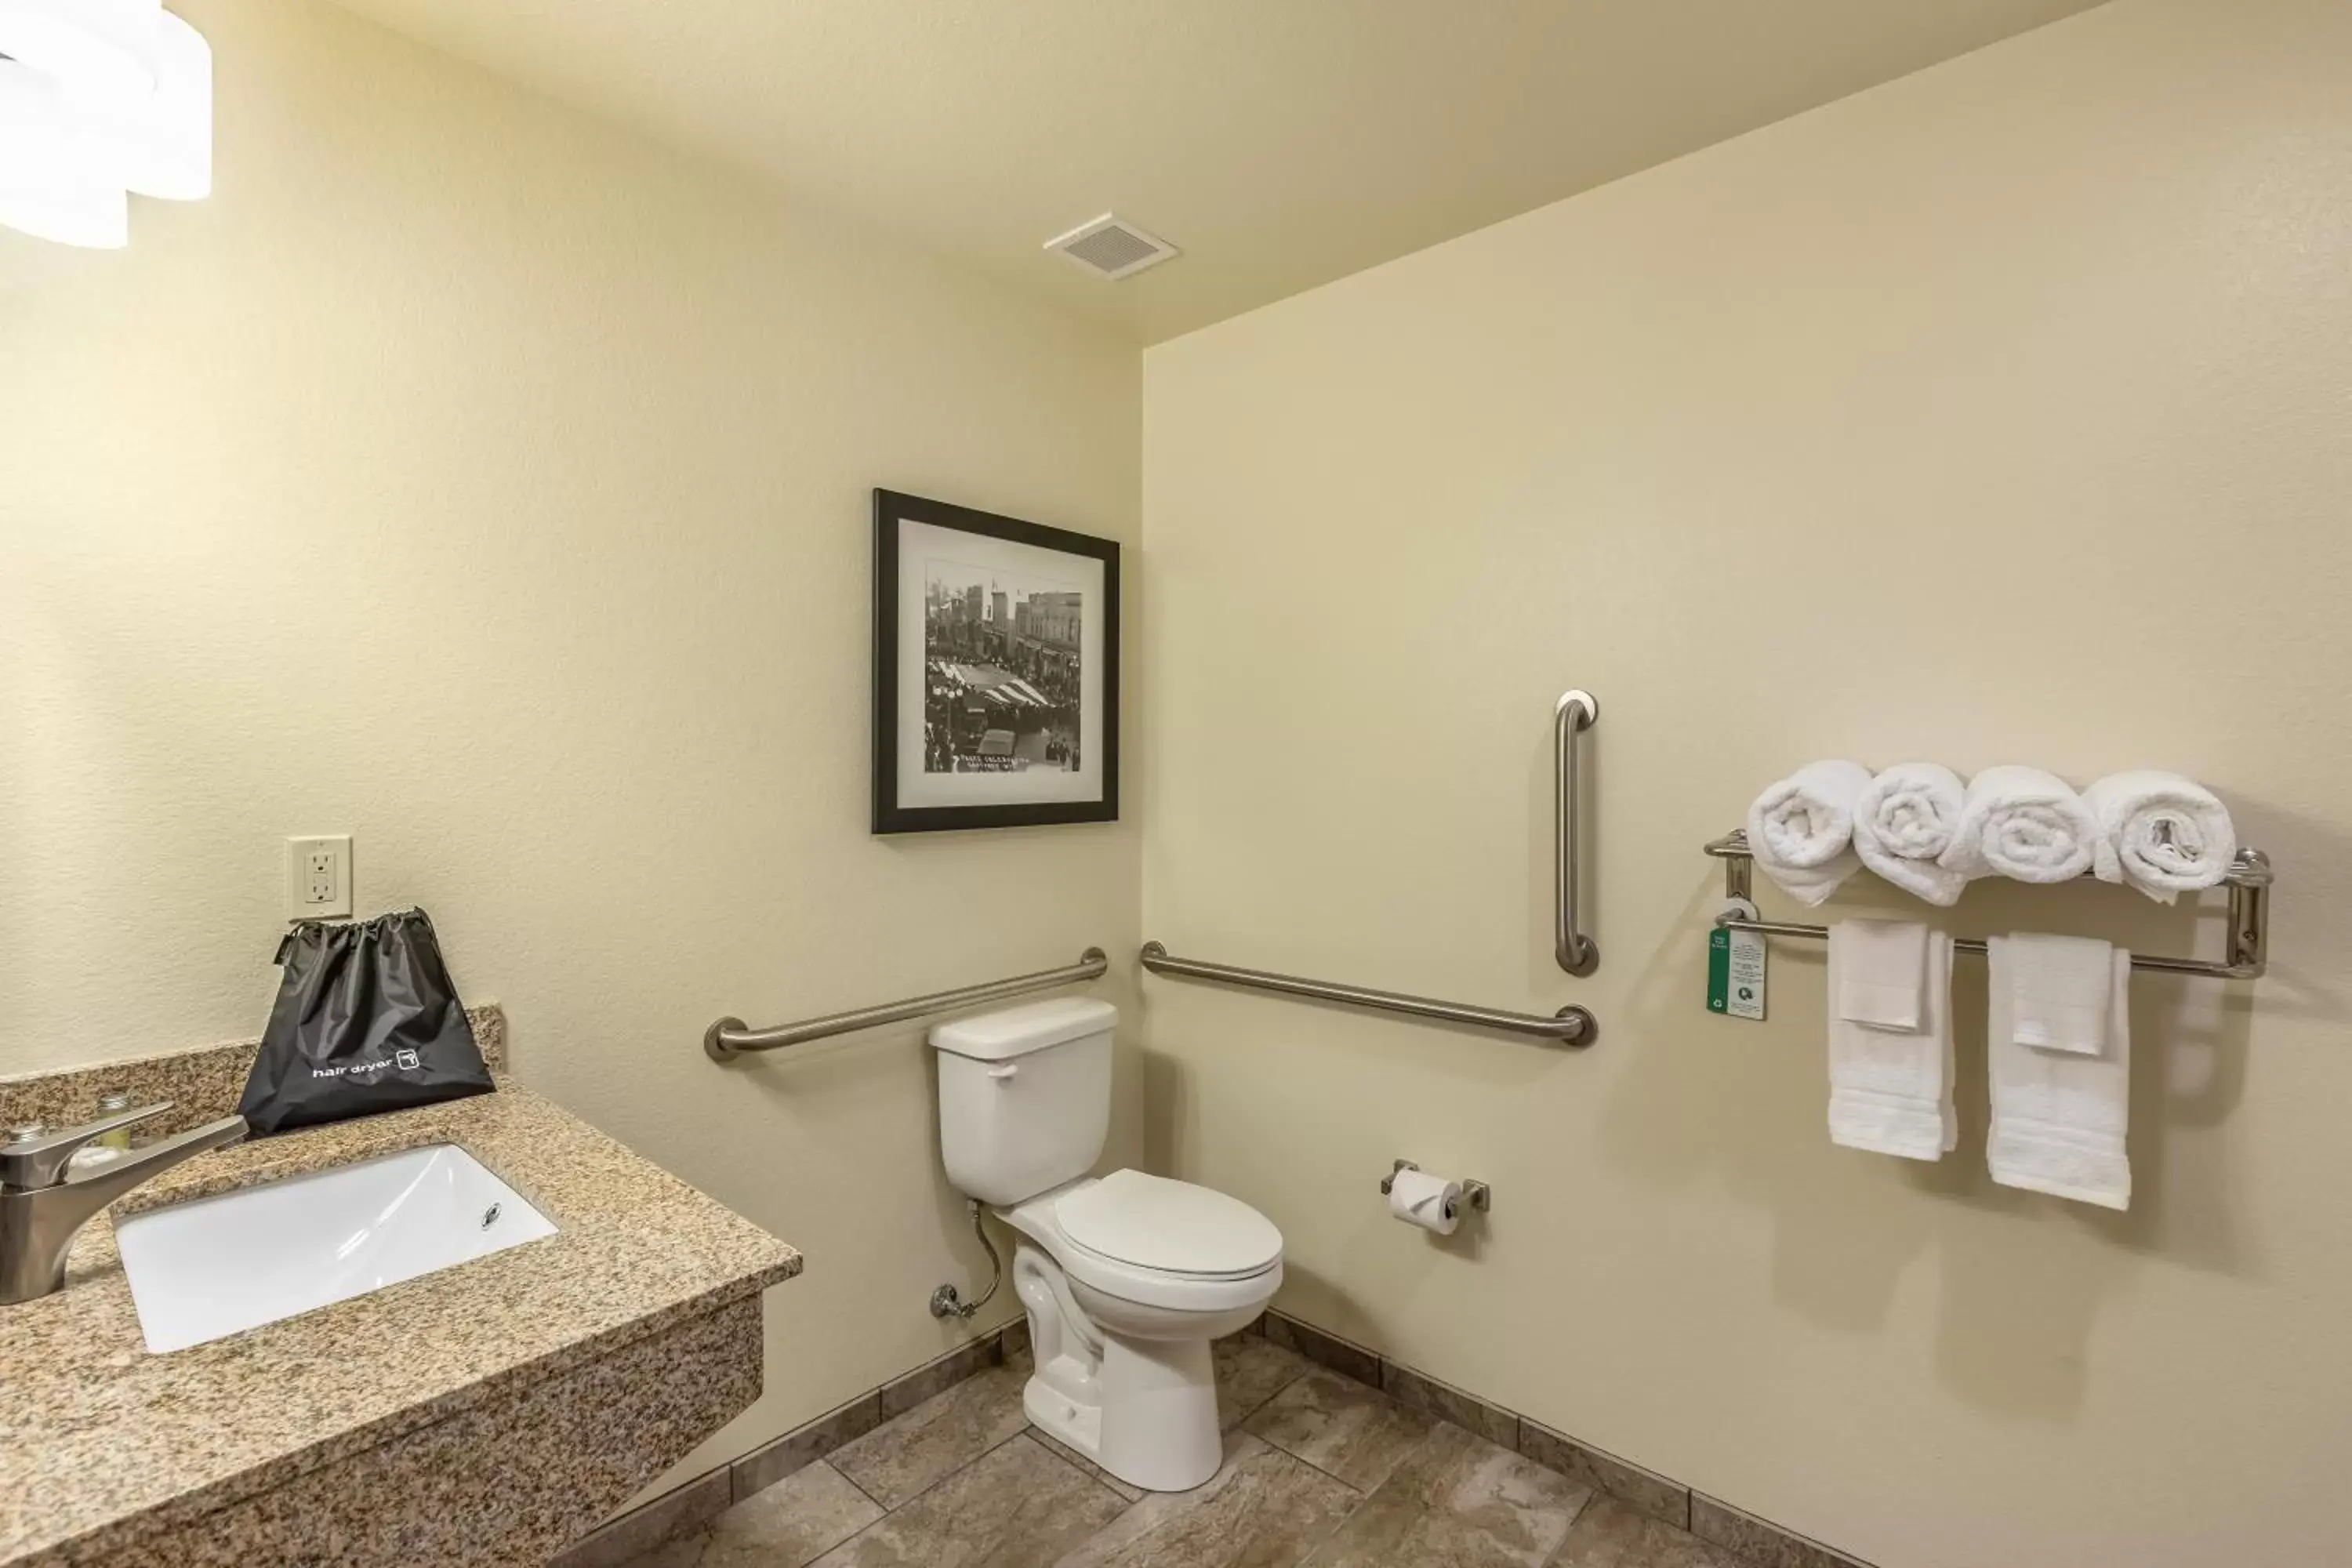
{"points": [[2248, 884], [1571, 1025], [730, 1037], [1578, 711]]}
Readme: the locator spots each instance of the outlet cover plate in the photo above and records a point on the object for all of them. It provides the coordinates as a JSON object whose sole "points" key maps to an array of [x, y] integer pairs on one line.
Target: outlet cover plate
{"points": [[319, 878]]}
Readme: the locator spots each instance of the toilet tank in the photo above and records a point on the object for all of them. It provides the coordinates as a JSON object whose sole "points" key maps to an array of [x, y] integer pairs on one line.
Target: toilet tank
{"points": [[1025, 1096]]}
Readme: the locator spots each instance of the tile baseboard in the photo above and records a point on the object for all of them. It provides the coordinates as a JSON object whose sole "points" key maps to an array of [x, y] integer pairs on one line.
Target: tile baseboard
{"points": [[1643, 1491], [1762, 1543], [647, 1525], [781, 1457], [1408, 1387], [1342, 1356]]}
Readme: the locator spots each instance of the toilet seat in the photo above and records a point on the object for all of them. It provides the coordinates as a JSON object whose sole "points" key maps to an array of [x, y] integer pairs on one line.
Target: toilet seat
{"points": [[1084, 1228], [1168, 1228]]}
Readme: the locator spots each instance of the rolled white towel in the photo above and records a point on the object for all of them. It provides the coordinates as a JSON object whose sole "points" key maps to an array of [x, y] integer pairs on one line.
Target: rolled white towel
{"points": [[2162, 834], [1903, 821], [2022, 823], [1801, 830]]}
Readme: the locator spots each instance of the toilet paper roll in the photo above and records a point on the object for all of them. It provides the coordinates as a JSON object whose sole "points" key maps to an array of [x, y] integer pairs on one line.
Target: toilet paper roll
{"points": [[1430, 1202]]}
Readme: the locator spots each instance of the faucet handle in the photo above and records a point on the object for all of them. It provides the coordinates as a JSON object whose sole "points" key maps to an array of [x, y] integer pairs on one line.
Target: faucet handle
{"points": [[35, 1156]]}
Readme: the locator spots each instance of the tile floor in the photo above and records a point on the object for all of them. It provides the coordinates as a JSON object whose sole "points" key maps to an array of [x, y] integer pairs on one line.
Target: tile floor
{"points": [[1319, 1470]]}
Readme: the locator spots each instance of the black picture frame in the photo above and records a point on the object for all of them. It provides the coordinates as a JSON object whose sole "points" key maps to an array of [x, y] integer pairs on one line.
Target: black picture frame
{"points": [[893, 815]]}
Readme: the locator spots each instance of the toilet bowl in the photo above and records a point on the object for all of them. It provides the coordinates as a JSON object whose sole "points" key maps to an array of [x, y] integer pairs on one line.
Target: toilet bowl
{"points": [[1127, 1278]]}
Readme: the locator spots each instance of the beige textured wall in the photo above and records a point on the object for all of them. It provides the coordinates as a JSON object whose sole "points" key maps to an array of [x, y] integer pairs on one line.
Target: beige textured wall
{"points": [[493, 485], [1998, 414]]}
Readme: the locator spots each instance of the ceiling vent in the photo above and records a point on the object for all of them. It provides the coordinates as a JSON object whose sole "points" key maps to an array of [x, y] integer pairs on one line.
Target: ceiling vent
{"points": [[1110, 246]]}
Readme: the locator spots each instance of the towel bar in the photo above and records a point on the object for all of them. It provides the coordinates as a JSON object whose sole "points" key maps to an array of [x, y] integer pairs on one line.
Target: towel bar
{"points": [[2248, 885]]}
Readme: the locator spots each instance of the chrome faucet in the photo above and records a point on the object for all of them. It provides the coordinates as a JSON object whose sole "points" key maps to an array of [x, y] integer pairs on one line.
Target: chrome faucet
{"points": [[42, 1208]]}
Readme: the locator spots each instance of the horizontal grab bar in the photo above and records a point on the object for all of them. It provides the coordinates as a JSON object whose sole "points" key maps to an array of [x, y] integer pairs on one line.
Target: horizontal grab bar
{"points": [[730, 1037], [1571, 1025]]}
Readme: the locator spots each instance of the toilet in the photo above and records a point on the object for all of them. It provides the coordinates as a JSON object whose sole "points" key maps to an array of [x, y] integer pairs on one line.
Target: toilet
{"points": [[1127, 1278]]}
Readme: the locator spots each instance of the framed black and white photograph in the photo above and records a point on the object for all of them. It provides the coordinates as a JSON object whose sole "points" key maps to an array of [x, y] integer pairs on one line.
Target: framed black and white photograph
{"points": [[995, 670]]}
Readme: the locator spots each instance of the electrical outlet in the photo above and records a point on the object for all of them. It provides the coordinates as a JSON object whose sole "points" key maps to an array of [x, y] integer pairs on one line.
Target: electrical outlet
{"points": [[318, 877]]}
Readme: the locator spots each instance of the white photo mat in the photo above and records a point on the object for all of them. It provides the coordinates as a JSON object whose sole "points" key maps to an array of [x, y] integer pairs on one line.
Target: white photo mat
{"points": [[919, 543]]}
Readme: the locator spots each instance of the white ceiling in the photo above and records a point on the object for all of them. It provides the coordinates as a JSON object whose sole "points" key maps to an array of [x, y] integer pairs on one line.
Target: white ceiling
{"points": [[1282, 143]]}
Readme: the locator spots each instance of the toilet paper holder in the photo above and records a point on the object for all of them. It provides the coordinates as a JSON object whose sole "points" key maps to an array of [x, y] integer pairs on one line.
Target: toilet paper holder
{"points": [[1477, 1194]]}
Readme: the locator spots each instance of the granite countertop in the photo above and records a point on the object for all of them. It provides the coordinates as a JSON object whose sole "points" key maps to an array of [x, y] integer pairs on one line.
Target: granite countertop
{"points": [[96, 1433]]}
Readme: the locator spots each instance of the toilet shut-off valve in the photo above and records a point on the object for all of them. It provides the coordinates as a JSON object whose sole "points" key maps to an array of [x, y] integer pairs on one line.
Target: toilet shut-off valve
{"points": [[946, 1302]]}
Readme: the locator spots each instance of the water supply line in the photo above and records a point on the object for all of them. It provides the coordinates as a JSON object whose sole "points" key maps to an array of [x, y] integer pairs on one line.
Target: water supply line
{"points": [[947, 1303]]}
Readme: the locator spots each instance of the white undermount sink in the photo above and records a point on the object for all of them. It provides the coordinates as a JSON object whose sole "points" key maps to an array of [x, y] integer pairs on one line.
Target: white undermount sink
{"points": [[211, 1267]]}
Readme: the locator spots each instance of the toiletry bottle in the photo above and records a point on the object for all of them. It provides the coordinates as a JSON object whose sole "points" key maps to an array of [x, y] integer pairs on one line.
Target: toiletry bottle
{"points": [[114, 1102], [107, 1147]]}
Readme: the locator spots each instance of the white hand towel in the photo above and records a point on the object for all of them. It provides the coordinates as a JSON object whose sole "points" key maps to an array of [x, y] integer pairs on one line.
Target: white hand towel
{"points": [[2059, 987], [1882, 978], [1903, 820], [2022, 823], [2163, 834], [2059, 1119], [1801, 830], [1891, 1089]]}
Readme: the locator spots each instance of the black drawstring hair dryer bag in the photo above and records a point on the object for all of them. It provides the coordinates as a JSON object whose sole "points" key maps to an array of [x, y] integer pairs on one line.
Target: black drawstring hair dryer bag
{"points": [[366, 1020]]}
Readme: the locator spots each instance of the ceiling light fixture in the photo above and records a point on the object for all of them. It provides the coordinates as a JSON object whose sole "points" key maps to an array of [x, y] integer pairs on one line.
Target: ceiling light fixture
{"points": [[100, 99]]}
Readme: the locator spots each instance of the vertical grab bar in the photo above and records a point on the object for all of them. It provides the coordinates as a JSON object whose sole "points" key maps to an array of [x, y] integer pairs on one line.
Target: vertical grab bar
{"points": [[1578, 953]]}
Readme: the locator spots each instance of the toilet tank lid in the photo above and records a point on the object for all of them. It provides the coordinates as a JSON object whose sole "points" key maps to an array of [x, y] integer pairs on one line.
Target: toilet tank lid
{"points": [[1018, 1031]]}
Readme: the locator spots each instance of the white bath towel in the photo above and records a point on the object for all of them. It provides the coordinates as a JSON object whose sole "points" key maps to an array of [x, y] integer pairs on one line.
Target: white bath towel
{"points": [[1801, 830], [2059, 1119], [2163, 834], [2059, 987], [2022, 823], [1903, 820], [1891, 1087]]}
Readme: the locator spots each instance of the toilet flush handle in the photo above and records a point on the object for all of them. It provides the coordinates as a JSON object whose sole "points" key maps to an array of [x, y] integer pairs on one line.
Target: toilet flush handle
{"points": [[1004, 1070]]}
